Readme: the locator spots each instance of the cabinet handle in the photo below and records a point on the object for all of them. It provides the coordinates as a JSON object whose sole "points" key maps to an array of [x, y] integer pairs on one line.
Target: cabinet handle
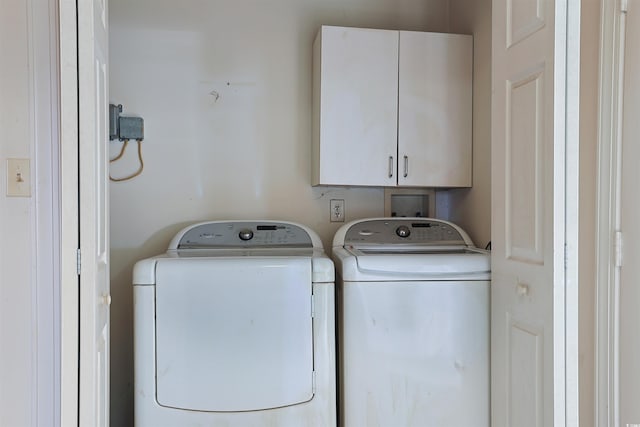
{"points": [[406, 166], [390, 166]]}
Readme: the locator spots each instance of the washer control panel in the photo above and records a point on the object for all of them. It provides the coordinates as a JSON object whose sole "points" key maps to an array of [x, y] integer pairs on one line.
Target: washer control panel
{"points": [[411, 230], [220, 235]]}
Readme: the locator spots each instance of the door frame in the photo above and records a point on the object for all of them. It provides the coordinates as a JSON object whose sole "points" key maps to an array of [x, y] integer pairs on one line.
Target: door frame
{"points": [[611, 86], [566, 302], [69, 221], [566, 343], [42, 27]]}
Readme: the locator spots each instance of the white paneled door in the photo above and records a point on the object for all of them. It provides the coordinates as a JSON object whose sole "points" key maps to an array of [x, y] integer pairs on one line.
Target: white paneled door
{"points": [[528, 207], [95, 299]]}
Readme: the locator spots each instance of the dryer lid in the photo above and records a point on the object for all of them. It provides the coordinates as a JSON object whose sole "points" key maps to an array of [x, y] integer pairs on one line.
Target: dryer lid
{"points": [[233, 334]]}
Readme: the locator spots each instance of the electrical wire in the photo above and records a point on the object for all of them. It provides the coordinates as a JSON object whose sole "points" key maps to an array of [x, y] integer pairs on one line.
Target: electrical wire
{"points": [[124, 147], [119, 156]]}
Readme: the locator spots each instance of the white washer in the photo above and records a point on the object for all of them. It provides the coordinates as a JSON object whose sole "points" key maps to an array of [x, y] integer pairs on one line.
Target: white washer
{"points": [[413, 316], [234, 326]]}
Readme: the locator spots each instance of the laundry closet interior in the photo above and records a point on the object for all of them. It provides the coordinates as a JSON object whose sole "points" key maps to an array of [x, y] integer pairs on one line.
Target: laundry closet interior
{"points": [[225, 90]]}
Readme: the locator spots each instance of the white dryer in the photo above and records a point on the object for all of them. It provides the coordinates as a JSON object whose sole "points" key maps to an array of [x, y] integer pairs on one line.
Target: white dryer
{"points": [[413, 322], [234, 326]]}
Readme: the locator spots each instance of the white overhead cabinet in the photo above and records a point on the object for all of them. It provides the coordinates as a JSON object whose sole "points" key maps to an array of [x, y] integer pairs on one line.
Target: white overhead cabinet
{"points": [[391, 108]]}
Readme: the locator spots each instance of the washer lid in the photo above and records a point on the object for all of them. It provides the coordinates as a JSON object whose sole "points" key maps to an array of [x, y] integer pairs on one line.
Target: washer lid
{"points": [[233, 334], [430, 262], [380, 249]]}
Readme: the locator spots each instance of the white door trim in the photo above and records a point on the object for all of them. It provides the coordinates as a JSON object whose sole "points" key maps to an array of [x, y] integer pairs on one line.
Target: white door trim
{"points": [[608, 215], [566, 212], [69, 298], [45, 244], [560, 101], [567, 338]]}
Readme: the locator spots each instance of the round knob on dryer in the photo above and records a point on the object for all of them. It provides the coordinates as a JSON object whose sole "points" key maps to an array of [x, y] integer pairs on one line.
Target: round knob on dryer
{"points": [[403, 231], [245, 234]]}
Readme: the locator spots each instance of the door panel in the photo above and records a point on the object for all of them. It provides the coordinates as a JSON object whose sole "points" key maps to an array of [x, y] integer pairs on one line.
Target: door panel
{"points": [[522, 213], [524, 18], [524, 392], [524, 168], [93, 82]]}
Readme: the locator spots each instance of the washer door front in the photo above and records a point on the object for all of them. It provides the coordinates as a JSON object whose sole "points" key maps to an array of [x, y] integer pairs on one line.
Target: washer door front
{"points": [[234, 334]]}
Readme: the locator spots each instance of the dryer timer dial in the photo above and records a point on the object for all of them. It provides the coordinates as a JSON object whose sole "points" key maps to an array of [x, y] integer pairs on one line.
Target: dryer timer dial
{"points": [[245, 234], [403, 231]]}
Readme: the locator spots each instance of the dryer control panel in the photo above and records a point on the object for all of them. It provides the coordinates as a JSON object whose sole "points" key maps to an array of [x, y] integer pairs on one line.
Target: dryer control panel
{"points": [[416, 231], [244, 234]]}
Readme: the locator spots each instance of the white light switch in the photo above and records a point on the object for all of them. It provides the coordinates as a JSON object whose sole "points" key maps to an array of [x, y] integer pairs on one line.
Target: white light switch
{"points": [[18, 178]]}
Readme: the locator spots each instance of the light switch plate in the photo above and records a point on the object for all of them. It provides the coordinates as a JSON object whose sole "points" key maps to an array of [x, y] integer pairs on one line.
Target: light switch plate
{"points": [[18, 178]]}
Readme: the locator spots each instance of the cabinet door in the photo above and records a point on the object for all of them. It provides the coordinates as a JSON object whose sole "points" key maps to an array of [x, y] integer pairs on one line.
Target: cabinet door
{"points": [[435, 107], [355, 110]]}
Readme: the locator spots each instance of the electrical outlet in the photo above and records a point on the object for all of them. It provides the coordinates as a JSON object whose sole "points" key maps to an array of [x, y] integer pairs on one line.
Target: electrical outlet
{"points": [[336, 212], [18, 178]]}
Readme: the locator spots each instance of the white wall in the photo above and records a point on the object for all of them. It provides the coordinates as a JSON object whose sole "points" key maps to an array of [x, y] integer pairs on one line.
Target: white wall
{"points": [[16, 228], [29, 252], [471, 208], [244, 154]]}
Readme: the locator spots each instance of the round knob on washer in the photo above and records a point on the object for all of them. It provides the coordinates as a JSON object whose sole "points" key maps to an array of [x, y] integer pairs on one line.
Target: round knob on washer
{"points": [[403, 231], [245, 234]]}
